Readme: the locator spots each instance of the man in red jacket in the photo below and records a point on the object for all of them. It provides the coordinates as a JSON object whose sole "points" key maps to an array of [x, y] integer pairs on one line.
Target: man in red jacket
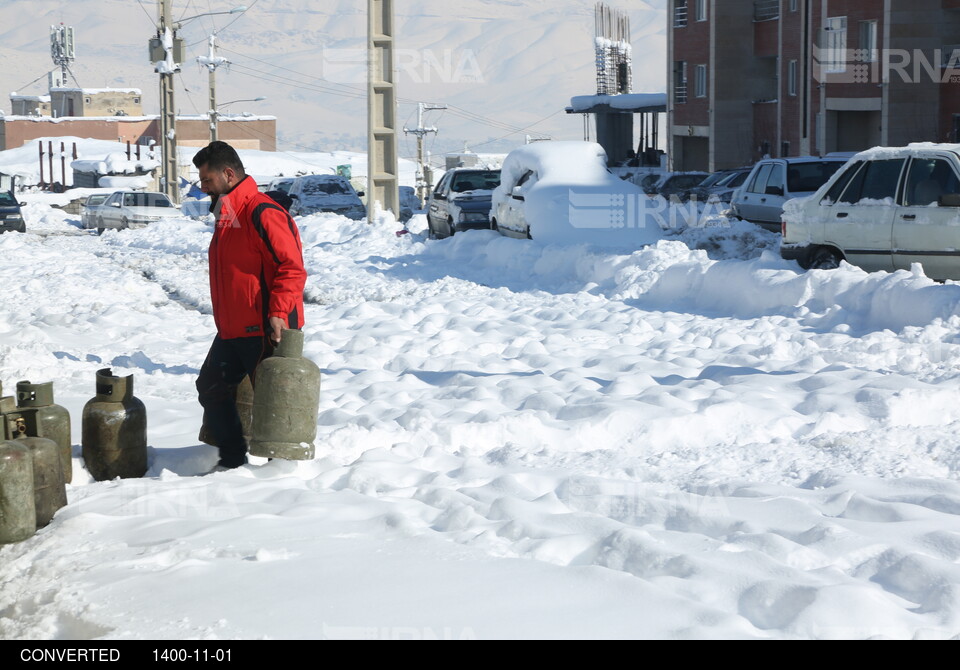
{"points": [[256, 287]]}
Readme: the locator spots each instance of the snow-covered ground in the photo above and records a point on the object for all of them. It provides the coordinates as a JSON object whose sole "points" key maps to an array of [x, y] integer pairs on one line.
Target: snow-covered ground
{"points": [[515, 440]]}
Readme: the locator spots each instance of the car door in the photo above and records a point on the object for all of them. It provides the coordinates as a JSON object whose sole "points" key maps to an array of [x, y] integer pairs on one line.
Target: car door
{"points": [[752, 195], [768, 202], [108, 212], [437, 207], [861, 222], [512, 212], [926, 227]]}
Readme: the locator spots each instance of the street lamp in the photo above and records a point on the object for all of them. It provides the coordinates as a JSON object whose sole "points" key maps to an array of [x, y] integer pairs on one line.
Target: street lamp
{"points": [[166, 54], [215, 112]]}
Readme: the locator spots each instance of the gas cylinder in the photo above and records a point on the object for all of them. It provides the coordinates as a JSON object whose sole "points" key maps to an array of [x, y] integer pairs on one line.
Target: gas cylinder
{"points": [[243, 397], [49, 489], [286, 402], [114, 430], [54, 420], [18, 512]]}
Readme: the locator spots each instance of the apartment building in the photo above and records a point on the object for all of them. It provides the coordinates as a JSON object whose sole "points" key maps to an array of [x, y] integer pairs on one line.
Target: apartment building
{"points": [[749, 78]]}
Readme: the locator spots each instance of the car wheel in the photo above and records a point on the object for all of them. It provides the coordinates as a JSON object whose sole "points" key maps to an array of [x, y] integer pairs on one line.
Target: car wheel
{"points": [[431, 233], [493, 225], [124, 223], [450, 227], [825, 258], [100, 226], [22, 228]]}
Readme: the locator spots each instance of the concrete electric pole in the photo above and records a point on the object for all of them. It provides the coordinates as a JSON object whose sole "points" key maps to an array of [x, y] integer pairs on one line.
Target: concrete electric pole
{"points": [[163, 50], [420, 131], [382, 160], [212, 61]]}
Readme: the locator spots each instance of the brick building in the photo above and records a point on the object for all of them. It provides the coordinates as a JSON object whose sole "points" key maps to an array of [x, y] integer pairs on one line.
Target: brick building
{"points": [[747, 78]]}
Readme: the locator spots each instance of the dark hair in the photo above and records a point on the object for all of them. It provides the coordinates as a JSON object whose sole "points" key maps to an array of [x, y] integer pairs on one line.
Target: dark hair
{"points": [[219, 155]]}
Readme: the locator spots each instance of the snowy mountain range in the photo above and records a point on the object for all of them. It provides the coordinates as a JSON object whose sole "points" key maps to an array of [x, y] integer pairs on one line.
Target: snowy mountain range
{"points": [[504, 68]]}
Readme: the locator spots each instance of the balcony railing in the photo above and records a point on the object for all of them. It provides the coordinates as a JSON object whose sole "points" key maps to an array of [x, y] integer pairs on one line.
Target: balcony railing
{"points": [[680, 15], [764, 10], [680, 93]]}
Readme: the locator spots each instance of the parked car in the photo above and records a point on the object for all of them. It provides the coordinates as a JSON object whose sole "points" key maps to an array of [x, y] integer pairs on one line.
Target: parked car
{"points": [[774, 181], [91, 209], [409, 203], [675, 186], [888, 208], [563, 192], [316, 193], [721, 186], [461, 200], [133, 209], [11, 216]]}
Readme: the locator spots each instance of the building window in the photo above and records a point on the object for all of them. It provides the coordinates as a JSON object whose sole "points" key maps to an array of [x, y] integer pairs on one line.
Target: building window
{"points": [[792, 77], [701, 10], [680, 14], [835, 45], [87, 100], [680, 81], [868, 41], [793, 5], [700, 89], [136, 101]]}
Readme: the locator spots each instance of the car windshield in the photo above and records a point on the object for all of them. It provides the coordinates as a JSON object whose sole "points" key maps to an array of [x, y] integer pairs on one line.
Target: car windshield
{"points": [[714, 179], [284, 185], [485, 180], [808, 177], [330, 187], [96, 199], [146, 200], [7, 199]]}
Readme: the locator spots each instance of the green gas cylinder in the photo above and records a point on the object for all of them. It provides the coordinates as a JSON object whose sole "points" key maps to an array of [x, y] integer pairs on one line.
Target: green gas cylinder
{"points": [[54, 420], [114, 430], [18, 512], [21, 426], [243, 397], [286, 402]]}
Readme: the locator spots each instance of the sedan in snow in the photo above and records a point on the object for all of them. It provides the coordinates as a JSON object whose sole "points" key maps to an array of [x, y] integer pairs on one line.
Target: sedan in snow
{"points": [[461, 201], [133, 209]]}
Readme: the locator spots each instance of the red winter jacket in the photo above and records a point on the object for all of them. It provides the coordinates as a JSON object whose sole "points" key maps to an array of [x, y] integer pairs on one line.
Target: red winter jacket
{"points": [[256, 264]]}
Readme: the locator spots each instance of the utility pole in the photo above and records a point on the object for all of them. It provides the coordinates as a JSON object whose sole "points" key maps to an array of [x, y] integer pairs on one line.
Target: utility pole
{"points": [[382, 158], [211, 61], [420, 131], [163, 53]]}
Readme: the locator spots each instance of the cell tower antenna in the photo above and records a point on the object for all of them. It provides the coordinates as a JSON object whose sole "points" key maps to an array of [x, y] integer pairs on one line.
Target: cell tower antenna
{"points": [[63, 52]]}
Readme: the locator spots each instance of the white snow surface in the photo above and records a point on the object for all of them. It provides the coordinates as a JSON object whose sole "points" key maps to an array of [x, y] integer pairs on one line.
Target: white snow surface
{"points": [[516, 440]]}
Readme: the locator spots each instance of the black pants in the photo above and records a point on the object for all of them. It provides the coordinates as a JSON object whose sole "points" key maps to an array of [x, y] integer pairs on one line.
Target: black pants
{"points": [[227, 363]]}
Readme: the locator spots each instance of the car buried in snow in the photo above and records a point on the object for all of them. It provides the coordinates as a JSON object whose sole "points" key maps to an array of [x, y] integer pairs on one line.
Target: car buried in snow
{"points": [[887, 209], [326, 193], [563, 192]]}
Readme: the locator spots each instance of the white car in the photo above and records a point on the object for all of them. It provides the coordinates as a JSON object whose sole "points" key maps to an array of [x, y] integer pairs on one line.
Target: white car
{"points": [[563, 192], [133, 209], [315, 193], [888, 208]]}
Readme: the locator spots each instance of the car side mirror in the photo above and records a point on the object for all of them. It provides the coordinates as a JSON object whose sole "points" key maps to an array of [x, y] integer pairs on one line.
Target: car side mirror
{"points": [[294, 196], [773, 190], [114, 204], [517, 191], [949, 200], [23, 204], [360, 194]]}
